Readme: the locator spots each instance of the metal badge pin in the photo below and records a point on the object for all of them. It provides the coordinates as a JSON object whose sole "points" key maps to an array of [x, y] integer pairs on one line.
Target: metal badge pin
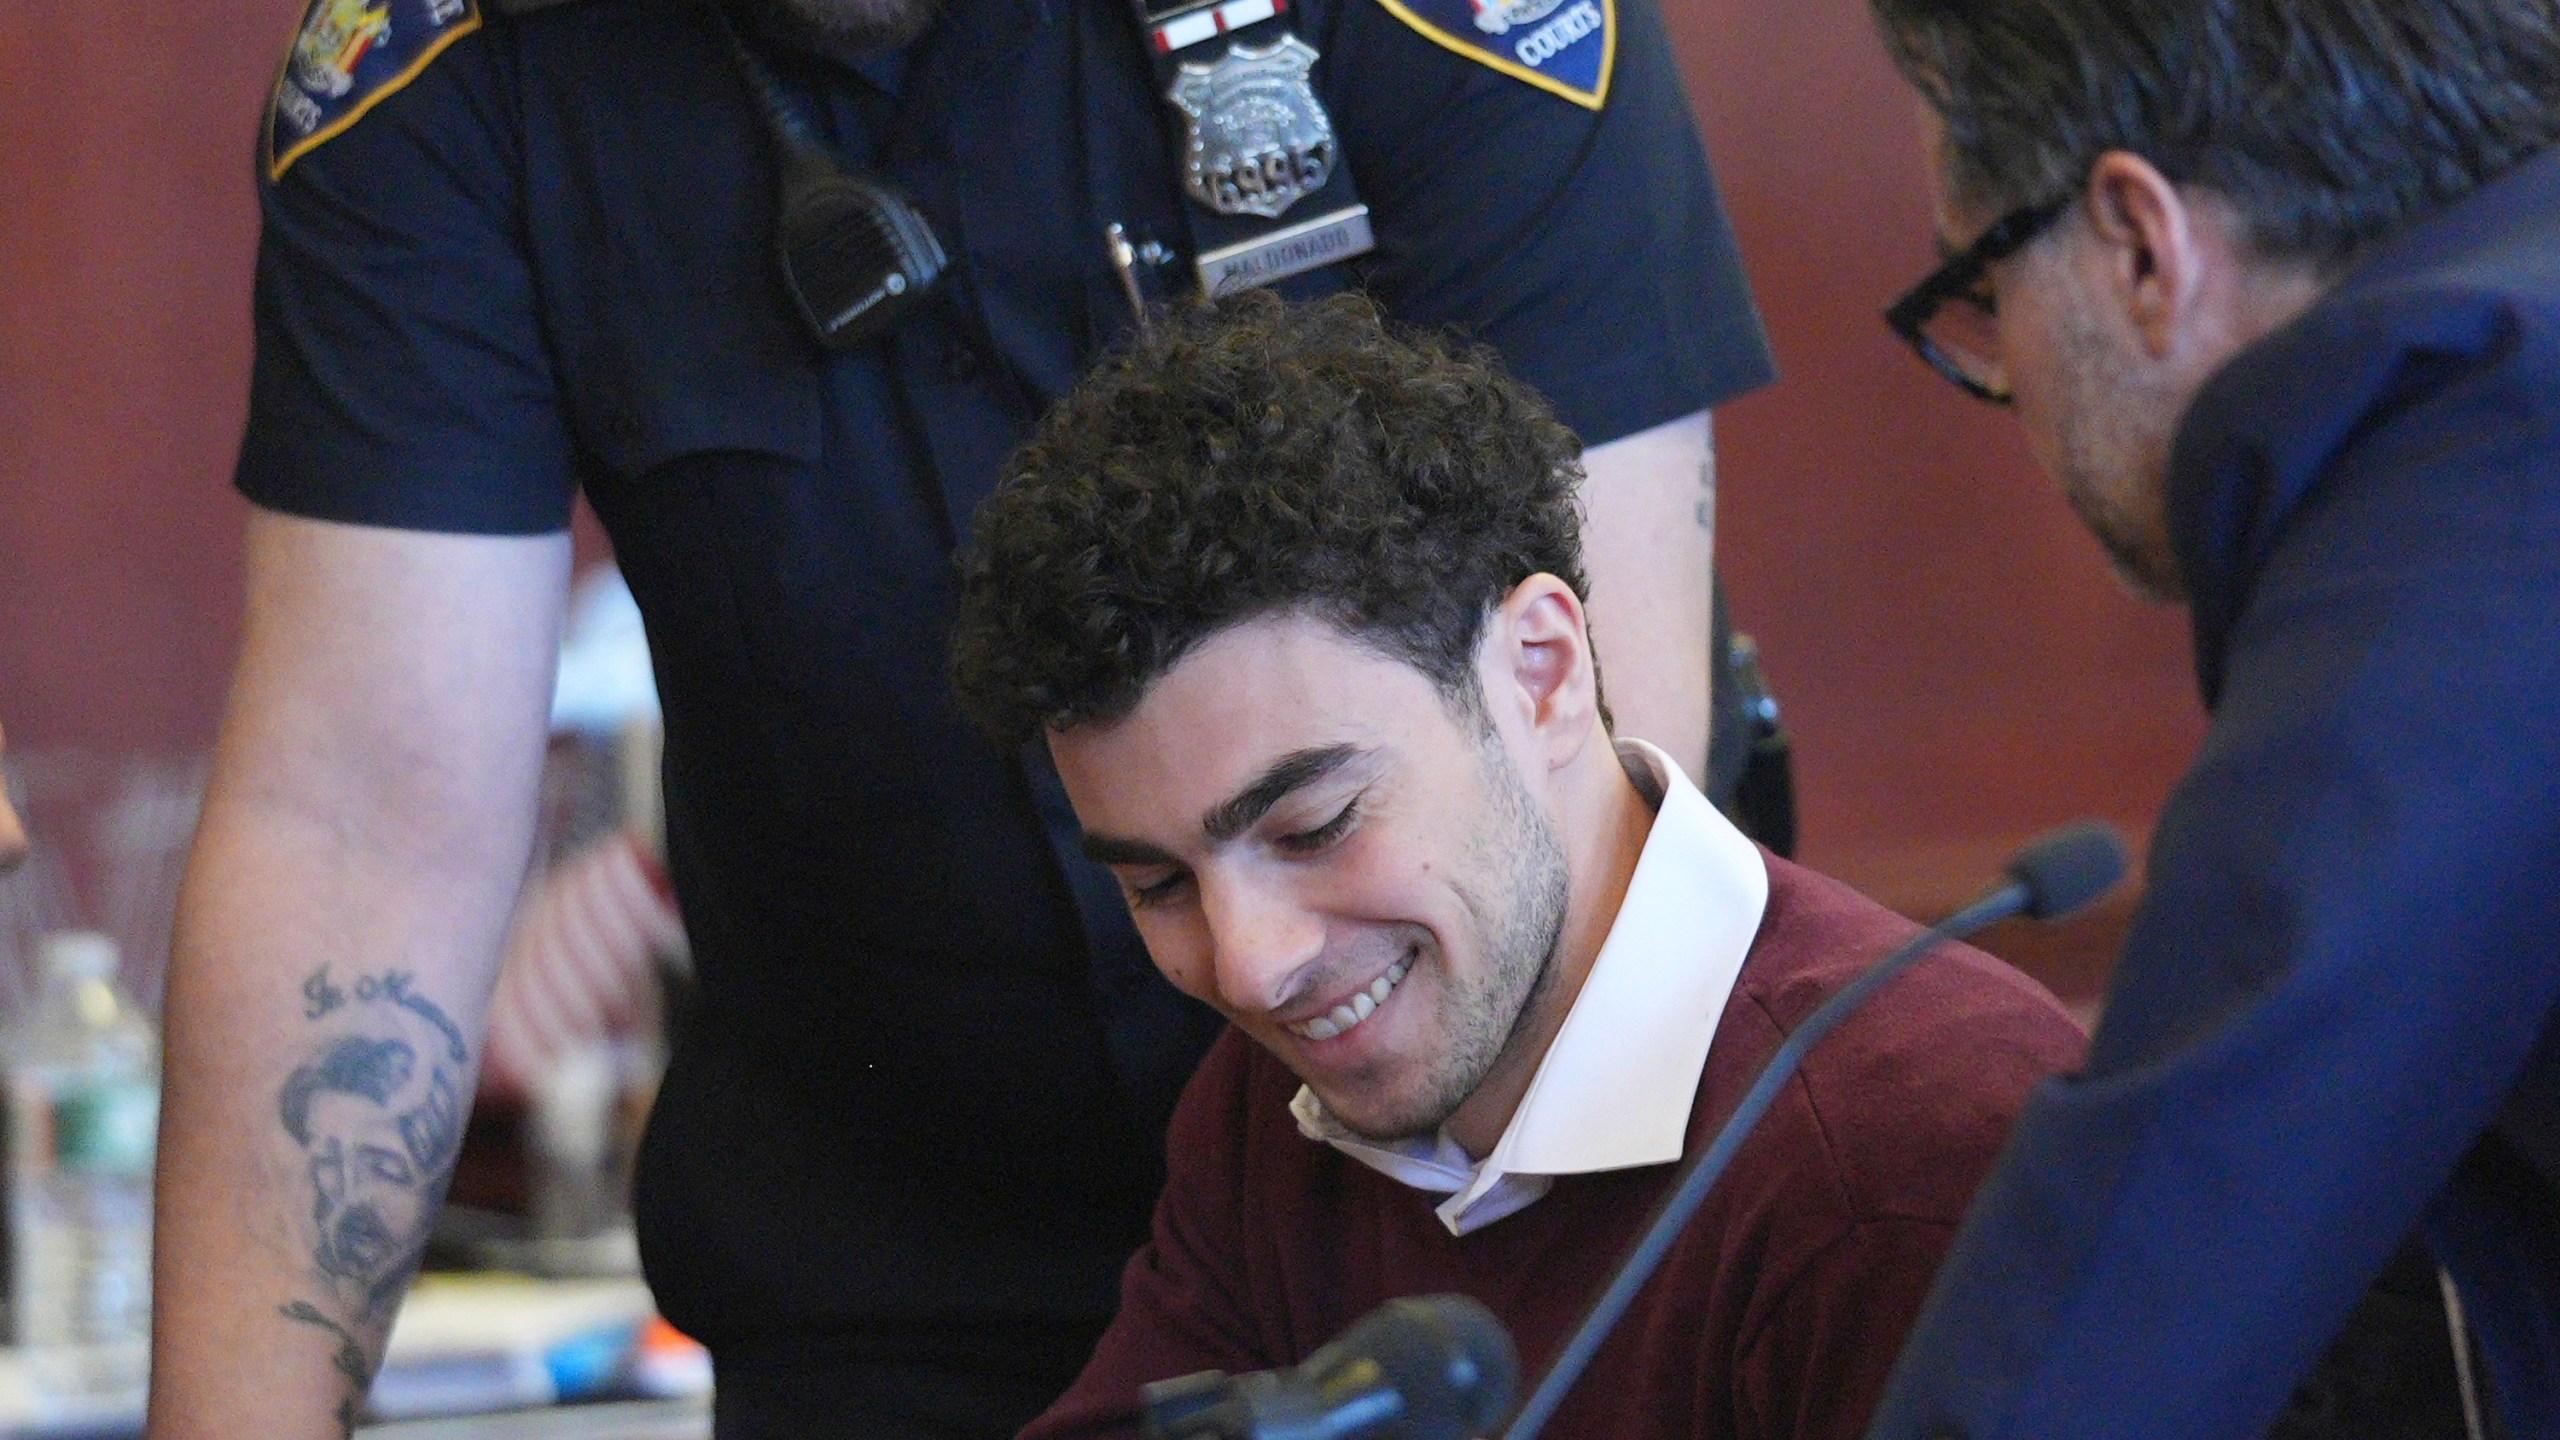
{"points": [[1259, 139], [1126, 256], [1124, 263]]}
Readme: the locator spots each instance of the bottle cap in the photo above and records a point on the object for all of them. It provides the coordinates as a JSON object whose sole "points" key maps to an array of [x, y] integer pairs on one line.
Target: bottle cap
{"points": [[78, 955]]}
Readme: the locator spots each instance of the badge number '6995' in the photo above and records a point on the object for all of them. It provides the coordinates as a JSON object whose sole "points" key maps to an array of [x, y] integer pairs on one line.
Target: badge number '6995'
{"points": [[1260, 141]]}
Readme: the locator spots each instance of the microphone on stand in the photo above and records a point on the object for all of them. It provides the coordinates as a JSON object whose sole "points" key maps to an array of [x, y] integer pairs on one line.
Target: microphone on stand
{"points": [[1432, 1367], [2049, 879]]}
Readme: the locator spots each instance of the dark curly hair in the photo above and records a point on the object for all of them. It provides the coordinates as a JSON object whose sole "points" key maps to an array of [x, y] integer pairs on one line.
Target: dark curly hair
{"points": [[1249, 458]]}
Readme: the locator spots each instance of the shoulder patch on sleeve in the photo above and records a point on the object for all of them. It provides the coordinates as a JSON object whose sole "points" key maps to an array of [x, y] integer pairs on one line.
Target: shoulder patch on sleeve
{"points": [[1565, 47], [349, 56]]}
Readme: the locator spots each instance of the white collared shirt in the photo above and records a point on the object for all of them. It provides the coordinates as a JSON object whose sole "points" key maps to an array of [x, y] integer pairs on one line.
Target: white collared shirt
{"points": [[1615, 1088]]}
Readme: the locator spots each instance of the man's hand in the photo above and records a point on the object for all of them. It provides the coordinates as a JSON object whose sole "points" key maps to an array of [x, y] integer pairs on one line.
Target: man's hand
{"points": [[1648, 540], [363, 841]]}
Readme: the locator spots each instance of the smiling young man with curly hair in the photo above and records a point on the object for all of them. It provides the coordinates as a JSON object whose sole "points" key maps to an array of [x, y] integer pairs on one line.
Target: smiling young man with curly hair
{"points": [[1297, 605]]}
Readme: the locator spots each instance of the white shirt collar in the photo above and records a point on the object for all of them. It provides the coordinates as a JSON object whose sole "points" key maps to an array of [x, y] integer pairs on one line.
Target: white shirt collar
{"points": [[1615, 1089]]}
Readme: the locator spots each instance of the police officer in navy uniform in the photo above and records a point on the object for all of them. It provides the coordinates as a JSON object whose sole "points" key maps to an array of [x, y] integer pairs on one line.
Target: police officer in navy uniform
{"points": [[911, 1130]]}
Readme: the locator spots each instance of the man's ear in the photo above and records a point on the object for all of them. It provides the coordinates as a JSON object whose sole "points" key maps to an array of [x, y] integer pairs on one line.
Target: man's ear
{"points": [[1538, 669], [2156, 246]]}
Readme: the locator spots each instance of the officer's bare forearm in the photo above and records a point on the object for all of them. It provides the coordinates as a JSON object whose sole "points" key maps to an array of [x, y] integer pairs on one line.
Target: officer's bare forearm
{"points": [[1649, 545], [362, 843], [313, 1115], [314, 1110]]}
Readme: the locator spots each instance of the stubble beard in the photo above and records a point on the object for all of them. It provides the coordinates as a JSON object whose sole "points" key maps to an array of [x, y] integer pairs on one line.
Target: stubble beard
{"points": [[2112, 459], [860, 24], [1518, 892]]}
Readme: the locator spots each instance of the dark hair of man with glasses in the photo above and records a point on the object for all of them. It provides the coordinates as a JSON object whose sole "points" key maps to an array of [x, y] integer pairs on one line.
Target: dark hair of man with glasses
{"points": [[2274, 288]]}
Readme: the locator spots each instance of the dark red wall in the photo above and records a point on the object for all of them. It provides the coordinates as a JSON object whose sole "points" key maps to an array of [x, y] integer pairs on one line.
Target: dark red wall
{"points": [[126, 226], [1957, 666]]}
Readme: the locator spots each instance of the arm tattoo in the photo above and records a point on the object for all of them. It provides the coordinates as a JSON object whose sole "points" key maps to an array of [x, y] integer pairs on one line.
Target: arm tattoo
{"points": [[349, 1361], [395, 988], [377, 1110], [319, 997]]}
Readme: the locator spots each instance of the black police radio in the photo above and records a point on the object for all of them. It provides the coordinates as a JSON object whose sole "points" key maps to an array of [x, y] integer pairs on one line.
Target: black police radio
{"points": [[856, 254], [1270, 195], [1255, 143]]}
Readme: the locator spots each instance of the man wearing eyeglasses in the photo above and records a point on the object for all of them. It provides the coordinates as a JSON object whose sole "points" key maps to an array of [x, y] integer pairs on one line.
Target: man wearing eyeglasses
{"points": [[2274, 288]]}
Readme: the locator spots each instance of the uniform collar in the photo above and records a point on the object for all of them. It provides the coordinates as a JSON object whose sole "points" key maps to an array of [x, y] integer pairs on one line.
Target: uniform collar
{"points": [[1615, 1089], [2266, 432]]}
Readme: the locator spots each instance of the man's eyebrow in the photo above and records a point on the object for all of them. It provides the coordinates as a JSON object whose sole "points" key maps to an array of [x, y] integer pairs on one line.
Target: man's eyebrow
{"points": [[1232, 817], [1112, 850]]}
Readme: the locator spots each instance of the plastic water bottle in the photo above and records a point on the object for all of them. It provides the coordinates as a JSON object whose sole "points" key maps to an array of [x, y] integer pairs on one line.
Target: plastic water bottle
{"points": [[84, 1109]]}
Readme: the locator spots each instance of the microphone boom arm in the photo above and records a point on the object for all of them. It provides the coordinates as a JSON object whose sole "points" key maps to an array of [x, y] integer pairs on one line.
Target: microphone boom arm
{"points": [[2050, 878]]}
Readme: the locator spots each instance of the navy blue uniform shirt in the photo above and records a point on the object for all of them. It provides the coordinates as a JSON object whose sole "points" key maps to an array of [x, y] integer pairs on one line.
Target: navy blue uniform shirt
{"points": [[930, 1065], [2337, 1018]]}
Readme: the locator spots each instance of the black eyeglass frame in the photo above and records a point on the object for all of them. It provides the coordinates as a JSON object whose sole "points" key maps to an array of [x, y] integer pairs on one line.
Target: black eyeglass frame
{"points": [[1910, 315]]}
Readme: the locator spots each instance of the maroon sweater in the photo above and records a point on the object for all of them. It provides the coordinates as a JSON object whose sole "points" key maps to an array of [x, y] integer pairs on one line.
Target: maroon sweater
{"points": [[1778, 1312]]}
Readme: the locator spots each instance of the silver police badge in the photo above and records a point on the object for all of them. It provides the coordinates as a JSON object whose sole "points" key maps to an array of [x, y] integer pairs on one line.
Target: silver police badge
{"points": [[1260, 141]]}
